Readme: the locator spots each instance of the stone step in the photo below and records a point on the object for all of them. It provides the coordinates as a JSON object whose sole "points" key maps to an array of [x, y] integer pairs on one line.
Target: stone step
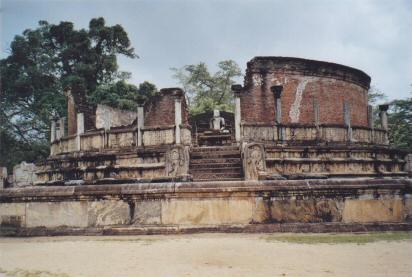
{"points": [[219, 154], [224, 179], [214, 148], [236, 160], [216, 165], [237, 169], [215, 176]]}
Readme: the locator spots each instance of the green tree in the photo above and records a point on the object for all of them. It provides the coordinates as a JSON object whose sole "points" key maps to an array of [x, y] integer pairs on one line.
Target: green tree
{"points": [[123, 95], [207, 91], [42, 63], [400, 123]]}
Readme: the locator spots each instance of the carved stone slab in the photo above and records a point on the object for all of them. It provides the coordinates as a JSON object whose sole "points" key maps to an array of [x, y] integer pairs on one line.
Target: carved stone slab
{"points": [[177, 161], [254, 161]]}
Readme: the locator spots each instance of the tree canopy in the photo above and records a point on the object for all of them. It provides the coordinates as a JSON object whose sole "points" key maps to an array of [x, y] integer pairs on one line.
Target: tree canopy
{"points": [[399, 118], [400, 123], [42, 63], [207, 91]]}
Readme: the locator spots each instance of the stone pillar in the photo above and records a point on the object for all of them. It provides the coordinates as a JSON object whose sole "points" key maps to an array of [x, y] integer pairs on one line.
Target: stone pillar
{"points": [[178, 117], [408, 165], [371, 123], [140, 124], [52, 131], [71, 113], [237, 89], [370, 117], [3, 177], [347, 119], [80, 129], [62, 125], [277, 93], [383, 114]]}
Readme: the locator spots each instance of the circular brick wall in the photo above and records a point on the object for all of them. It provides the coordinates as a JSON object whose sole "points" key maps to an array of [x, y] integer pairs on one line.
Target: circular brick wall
{"points": [[305, 83]]}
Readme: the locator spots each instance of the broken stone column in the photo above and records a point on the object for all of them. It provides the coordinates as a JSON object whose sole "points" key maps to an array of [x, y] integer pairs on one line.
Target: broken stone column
{"points": [[71, 113], [3, 177], [237, 89], [52, 131], [62, 125], [24, 174], [277, 92], [408, 165], [80, 129], [371, 123], [347, 119], [383, 114], [140, 124], [178, 114]]}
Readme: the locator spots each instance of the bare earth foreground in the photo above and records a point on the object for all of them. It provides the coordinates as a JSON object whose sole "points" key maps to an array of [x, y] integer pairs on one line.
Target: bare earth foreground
{"points": [[206, 255]]}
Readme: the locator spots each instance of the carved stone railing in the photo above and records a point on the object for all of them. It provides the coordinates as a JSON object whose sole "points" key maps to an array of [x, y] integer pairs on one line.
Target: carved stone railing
{"points": [[323, 133], [99, 140], [271, 161]]}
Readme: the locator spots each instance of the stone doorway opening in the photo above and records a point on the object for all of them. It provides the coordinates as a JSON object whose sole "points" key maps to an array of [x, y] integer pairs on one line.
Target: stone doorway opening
{"points": [[213, 128]]}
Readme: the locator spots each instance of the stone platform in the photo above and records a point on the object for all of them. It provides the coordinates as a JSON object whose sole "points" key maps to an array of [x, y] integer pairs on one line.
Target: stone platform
{"points": [[330, 205]]}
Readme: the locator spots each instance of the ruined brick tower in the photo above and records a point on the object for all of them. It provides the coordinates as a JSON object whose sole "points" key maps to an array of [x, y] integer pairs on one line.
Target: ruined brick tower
{"points": [[313, 92]]}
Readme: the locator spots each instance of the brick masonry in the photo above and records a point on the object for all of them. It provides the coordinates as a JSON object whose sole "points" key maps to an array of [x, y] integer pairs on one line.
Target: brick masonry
{"points": [[304, 83], [160, 110]]}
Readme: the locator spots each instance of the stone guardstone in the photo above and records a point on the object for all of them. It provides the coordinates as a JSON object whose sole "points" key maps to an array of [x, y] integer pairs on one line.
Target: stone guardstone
{"points": [[254, 162], [24, 174], [177, 161]]}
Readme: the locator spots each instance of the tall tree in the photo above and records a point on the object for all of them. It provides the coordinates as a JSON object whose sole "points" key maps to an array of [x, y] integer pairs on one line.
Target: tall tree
{"points": [[123, 95], [400, 123], [42, 63], [207, 91]]}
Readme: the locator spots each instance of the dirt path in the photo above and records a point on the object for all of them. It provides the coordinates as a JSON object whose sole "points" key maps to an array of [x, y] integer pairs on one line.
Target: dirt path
{"points": [[200, 255]]}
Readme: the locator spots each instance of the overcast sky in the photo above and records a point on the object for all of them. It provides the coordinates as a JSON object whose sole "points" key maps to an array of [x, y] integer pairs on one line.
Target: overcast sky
{"points": [[374, 36]]}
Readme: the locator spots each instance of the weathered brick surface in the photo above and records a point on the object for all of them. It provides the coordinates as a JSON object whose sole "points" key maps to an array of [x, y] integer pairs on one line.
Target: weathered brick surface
{"points": [[304, 82], [160, 110]]}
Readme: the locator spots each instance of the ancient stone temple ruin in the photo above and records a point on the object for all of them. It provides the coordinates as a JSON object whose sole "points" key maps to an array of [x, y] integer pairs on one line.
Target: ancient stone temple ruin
{"points": [[302, 151]]}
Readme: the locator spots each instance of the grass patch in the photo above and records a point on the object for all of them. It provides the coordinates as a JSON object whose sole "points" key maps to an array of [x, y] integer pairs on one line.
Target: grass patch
{"points": [[361, 238], [30, 273]]}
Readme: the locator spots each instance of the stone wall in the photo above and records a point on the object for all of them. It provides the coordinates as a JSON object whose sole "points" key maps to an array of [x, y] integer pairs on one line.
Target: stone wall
{"points": [[306, 84], [108, 117], [206, 205]]}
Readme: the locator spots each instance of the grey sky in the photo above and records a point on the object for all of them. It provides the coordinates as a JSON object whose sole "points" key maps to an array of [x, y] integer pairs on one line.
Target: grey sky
{"points": [[374, 36]]}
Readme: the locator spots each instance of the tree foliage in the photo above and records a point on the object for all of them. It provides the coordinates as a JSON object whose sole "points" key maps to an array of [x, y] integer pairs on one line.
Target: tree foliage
{"points": [[43, 62], [400, 123], [207, 91], [399, 118], [123, 95]]}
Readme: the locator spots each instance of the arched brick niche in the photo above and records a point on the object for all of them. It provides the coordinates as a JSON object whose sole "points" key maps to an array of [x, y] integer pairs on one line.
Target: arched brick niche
{"points": [[307, 84]]}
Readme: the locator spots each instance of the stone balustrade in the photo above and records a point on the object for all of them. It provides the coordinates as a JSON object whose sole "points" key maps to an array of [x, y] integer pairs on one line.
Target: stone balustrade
{"points": [[99, 140], [305, 133]]}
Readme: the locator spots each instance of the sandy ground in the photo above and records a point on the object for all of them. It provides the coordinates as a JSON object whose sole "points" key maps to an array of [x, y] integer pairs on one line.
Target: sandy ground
{"points": [[199, 255]]}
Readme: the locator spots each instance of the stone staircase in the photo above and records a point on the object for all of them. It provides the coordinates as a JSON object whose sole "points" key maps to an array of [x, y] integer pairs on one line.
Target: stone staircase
{"points": [[217, 163]]}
